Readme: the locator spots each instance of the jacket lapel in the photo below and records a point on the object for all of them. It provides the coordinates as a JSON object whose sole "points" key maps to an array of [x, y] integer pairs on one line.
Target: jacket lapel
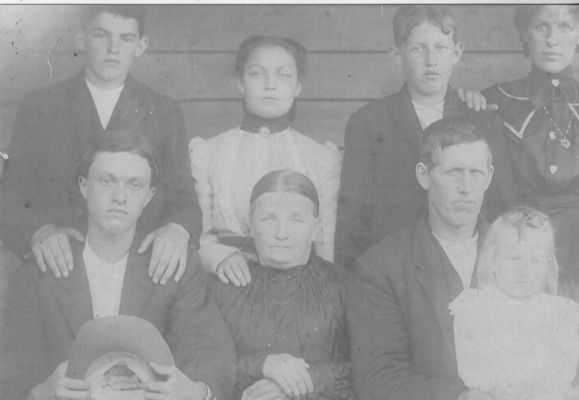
{"points": [[453, 105], [74, 293], [129, 110], [83, 111], [430, 260], [137, 286], [405, 118]]}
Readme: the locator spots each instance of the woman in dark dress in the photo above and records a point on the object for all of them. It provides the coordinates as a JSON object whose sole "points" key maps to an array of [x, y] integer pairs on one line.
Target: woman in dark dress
{"points": [[289, 323], [541, 118]]}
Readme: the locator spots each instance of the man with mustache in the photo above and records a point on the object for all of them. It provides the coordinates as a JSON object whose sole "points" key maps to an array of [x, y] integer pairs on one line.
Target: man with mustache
{"points": [[402, 344]]}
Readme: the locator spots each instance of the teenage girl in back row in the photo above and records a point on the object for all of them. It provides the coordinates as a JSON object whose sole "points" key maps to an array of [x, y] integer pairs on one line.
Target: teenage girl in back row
{"points": [[269, 72]]}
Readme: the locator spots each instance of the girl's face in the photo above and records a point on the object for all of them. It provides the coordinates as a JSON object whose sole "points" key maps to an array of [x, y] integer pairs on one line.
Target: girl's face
{"points": [[521, 268], [270, 82], [552, 37]]}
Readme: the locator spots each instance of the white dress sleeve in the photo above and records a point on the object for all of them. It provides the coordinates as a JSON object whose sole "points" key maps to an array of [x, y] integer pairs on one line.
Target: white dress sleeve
{"points": [[474, 358], [327, 164], [212, 252]]}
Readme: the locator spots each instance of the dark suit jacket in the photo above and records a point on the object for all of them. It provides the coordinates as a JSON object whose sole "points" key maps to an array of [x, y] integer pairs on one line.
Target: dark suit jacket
{"points": [[43, 316], [53, 128], [402, 343], [379, 193]]}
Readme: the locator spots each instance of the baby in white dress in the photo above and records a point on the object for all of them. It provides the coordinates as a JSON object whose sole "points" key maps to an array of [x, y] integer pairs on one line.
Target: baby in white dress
{"points": [[515, 339]]}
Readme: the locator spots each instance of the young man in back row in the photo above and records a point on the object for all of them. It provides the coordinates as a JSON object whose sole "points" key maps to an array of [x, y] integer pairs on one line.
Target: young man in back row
{"points": [[379, 193], [56, 124]]}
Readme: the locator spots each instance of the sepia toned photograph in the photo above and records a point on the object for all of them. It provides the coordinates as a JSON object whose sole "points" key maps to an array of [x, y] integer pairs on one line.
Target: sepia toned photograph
{"points": [[289, 201]]}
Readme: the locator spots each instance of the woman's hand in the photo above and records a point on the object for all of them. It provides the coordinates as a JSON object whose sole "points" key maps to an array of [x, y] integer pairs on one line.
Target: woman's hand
{"points": [[234, 269], [290, 372], [264, 389]]}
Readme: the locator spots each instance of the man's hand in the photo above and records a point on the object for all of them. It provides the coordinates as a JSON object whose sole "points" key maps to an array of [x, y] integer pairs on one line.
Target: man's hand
{"points": [[475, 100], [234, 269], [178, 386], [264, 389], [57, 386], [170, 245], [51, 245], [290, 372]]}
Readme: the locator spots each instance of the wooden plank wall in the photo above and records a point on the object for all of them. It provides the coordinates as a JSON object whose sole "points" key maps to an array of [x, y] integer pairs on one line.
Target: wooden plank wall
{"points": [[191, 52]]}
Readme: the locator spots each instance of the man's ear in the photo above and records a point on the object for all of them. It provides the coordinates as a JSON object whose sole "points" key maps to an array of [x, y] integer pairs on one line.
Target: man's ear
{"points": [[422, 175], [298, 89], [397, 55], [79, 38], [152, 191], [239, 84], [82, 186], [457, 52], [490, 176], [142, 44]]}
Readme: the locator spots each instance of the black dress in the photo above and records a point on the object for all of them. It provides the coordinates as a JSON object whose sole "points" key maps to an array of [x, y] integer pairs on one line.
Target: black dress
{"points": [[300, 311], [541, 124]]}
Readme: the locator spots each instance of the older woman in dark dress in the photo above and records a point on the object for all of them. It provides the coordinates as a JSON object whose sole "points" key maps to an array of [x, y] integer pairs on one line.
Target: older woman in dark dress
{"points": [[289, 323]]}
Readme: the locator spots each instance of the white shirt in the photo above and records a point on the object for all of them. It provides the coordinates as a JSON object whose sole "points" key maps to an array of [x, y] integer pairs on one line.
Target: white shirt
{"points": [[462, 255], [105, 101], [105, 282], [427, 115]]}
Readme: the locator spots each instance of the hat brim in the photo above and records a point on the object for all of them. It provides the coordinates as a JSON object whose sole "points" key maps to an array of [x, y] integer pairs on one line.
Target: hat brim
{"points": [[117, 334]]}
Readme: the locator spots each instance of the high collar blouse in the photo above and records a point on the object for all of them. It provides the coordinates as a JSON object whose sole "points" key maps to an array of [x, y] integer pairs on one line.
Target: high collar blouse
{"points": [[227, 166]]}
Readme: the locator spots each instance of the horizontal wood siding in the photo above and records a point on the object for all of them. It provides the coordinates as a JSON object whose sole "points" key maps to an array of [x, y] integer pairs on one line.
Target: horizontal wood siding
{"points": [[191, 51]]}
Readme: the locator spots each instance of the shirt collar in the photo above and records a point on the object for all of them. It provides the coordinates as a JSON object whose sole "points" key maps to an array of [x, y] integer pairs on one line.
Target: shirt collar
{"points": [[264, 126]]}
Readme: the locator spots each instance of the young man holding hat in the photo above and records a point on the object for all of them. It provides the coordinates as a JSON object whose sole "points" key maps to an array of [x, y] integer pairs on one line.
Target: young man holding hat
{"points": [[118, 178]]}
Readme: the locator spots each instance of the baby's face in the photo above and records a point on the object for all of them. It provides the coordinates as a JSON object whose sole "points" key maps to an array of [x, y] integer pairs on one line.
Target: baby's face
{"points": [[521, 268]]}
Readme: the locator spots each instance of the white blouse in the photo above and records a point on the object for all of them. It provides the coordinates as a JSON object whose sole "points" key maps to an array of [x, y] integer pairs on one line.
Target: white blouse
{"points": [[528, 346], [227, 166]]}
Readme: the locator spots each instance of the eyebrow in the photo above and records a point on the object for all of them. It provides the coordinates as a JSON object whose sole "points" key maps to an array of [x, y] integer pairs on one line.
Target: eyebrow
{"points": [[126, 34]]}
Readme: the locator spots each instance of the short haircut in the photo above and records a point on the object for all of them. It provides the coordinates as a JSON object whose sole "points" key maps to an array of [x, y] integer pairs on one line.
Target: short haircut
{"points": [[449, 132], [249, 45], [129, 11], [524, 14], [286, 181], [410, 16], [510, 229], [121, 141]]}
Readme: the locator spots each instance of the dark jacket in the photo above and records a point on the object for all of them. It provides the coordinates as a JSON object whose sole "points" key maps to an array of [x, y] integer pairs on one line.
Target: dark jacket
{"points": [[53, 128], [379, 193], [43, 316], [401, 330]]}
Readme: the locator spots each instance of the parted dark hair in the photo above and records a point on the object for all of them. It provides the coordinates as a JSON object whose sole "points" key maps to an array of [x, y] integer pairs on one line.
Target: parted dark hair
{"points": [[249, 45], [121, 141], [286, 181], [410, 16], [135, 11], [524, 14], [448, 132]]}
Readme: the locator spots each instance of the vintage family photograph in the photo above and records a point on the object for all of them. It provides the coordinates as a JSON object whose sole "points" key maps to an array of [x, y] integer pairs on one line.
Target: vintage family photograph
{"points": [[289, 201]]}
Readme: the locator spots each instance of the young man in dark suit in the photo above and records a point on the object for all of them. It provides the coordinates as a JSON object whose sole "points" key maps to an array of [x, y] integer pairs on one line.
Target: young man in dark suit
{"points": [[379, 193], [55, 124], [43, 315]]}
